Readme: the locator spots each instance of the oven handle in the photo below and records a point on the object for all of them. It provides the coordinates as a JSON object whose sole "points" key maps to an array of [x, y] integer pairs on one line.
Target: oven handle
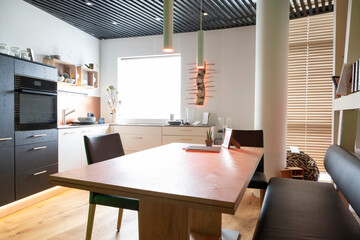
{"points": [[37, 92]]}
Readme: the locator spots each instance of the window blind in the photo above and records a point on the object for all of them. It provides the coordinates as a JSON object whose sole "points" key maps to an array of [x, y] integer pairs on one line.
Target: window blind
{"points": [[309, 119]]}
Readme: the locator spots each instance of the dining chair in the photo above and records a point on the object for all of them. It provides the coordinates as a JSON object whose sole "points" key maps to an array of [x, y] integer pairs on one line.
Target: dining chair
{"points": [[100, 148], [254, 138]]}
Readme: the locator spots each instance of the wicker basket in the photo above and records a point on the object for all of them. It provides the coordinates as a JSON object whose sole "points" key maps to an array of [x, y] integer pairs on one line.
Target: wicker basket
{"points": [[304, 161]]}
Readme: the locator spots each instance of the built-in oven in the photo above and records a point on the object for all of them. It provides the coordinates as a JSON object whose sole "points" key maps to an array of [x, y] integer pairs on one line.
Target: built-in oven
{"points": [[35, 104]]}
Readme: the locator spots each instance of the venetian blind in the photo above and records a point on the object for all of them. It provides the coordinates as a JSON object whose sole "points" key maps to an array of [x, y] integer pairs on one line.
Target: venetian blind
{"points": [[309, 119]]}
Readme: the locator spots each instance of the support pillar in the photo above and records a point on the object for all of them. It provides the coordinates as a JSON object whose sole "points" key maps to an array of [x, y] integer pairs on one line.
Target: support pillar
{"points": [[271, 76]]}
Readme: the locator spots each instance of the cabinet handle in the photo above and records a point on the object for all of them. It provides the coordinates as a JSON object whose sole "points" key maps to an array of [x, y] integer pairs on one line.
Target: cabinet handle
{"points": [[39, 148], [5, 139], [137, 138], [38, 135], [39, 173], [186, 139], [185, 130], [68, 133]]}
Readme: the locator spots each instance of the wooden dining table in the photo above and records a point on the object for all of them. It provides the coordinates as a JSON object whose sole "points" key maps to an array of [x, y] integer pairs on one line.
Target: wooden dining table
{"points": [[181, 194]]}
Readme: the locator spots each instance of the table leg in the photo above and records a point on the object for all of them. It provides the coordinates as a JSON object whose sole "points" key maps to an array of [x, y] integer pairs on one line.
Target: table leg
{"points": [[161, 221], [205, 222]]}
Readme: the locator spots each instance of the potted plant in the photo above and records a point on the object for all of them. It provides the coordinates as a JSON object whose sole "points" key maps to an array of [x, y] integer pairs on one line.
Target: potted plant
{"points": [[208, 140]]}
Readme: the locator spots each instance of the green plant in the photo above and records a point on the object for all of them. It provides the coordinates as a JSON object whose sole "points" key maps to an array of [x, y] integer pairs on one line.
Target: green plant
{"points": [[209, 134]]}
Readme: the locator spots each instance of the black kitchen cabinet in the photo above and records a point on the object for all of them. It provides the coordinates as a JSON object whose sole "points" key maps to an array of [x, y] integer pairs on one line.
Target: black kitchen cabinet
{"points": [[39, 71], [7, 184], [6, 101]]}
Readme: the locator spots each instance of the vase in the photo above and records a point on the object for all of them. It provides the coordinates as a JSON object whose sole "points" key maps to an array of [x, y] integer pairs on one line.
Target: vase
{"points": [[209, 142], [114, 117]]}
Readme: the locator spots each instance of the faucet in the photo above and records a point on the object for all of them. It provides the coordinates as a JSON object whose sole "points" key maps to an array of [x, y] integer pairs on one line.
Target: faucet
{"points": [[64, 114]]}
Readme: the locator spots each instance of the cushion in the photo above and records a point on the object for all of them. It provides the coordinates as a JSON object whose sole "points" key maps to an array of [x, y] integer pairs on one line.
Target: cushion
{"points": [[299, 209], [114, 201]]}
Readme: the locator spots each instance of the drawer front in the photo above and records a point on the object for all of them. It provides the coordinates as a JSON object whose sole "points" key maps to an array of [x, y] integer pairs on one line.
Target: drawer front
{"points": [[7, 178], [34, 181], [34, 70], [183, 139], [185, 131], [137, 130], [33, 156], [37, 136], [138, 142]]}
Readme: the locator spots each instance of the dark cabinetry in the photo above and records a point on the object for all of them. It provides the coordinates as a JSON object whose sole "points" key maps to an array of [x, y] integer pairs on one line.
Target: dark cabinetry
{"points": [[6, 102], [7, 190], [36, 157], [29, 69]]}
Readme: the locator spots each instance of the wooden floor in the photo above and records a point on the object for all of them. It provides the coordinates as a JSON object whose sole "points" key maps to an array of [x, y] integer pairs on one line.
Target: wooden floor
{"points": [[64, 217]]}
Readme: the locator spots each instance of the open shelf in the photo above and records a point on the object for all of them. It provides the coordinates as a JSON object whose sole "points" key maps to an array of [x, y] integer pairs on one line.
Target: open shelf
{"points": [[62, 67], [88, 78], [348, 102]]}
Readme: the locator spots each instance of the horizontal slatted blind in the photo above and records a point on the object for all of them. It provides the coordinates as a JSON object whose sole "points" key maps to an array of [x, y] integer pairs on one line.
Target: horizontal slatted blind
{"points": [[309, 85]]}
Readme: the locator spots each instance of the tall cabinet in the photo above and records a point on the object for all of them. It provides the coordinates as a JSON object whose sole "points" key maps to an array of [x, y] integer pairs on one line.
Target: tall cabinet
{"points": [[6, 130]]}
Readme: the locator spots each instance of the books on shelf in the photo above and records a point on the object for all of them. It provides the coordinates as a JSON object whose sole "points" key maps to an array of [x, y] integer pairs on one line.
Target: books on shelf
{"points": [[349, 79]]}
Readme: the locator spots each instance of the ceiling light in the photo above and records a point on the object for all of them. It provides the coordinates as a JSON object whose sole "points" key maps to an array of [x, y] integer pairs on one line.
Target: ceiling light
{"points": [[205, 13], [114, 22], [168, 26], [89, 3], [158, 19]]}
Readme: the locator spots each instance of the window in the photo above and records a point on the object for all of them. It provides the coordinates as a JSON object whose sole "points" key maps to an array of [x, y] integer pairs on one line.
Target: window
{"points": [[149, 87], [309, 120]]}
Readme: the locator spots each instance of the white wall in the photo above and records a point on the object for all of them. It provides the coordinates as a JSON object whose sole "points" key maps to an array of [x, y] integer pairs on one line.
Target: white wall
{"points": [[231, 50], [25, 26]]}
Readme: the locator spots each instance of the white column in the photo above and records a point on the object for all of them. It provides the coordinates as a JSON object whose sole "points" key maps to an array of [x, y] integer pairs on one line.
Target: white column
{"points": [[271, 75]]}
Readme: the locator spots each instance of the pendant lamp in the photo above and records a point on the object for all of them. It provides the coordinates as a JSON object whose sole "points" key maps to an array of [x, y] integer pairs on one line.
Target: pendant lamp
{"points": [[168, 26], [200, 37]]}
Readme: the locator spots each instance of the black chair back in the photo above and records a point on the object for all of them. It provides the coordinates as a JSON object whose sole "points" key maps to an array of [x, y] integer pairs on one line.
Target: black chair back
{"points": [[103, 147], [251, 138]]}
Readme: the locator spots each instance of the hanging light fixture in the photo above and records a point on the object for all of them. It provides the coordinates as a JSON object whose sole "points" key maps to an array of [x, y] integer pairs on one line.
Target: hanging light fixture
{"points": [[200, 34], [168, 26]]}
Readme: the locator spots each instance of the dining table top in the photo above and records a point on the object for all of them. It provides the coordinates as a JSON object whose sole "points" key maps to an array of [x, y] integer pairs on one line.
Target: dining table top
{"points": [[208, 180]]}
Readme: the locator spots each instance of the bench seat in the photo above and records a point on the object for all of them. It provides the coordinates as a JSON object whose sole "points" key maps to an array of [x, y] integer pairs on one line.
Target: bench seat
{"points": [[296, 209]]}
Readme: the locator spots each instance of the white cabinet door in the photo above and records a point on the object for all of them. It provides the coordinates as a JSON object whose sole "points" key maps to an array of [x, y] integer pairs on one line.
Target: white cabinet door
{"points": [[89, 131], [69, 149]]}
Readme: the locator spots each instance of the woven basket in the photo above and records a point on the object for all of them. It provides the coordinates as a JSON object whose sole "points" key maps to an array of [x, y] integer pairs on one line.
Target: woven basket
{"points": [[304, 161]]}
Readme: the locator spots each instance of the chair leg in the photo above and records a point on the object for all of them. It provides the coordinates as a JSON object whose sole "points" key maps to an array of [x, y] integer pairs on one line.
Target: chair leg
{"points": [[90, 222], [262, 194], [119, 218]]}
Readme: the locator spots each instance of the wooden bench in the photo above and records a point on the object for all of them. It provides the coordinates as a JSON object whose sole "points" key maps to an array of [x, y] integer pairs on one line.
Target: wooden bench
{"points": [[298, 209]]}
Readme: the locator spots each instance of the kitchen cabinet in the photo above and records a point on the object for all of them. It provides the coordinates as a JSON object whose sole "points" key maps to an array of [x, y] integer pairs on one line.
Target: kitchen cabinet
{"points": [[184, 134], [7, 169], [138, 138], [71, 146], [30, 69], [6, 101], [36, 157]]}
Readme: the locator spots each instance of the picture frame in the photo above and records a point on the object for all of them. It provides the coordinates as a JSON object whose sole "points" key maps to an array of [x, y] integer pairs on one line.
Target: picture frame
{"points": [[227, 138]]}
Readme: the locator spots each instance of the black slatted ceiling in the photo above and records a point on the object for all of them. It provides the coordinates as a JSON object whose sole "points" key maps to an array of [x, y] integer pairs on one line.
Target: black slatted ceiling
{"points": [[138, 17]]}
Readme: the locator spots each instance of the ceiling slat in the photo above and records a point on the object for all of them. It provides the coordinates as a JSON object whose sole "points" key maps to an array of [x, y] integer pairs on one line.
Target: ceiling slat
{"points": [[138, 17]]}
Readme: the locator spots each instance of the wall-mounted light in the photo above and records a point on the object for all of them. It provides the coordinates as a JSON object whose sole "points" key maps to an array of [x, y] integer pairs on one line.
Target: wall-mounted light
{"points": [[200, 35], [168, 26]]}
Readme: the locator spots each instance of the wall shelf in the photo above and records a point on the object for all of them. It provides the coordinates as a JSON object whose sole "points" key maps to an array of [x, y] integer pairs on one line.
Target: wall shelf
{"points": [[88, 78], [348, 102], [62, 67]]}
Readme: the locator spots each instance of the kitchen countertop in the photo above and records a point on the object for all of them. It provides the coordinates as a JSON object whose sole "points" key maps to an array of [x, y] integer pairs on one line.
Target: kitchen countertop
{"points": [[81, 126], [156, 125]]}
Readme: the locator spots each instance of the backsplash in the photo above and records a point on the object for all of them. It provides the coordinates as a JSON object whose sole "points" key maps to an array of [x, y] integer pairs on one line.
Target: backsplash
{"points": [[82, 104]]}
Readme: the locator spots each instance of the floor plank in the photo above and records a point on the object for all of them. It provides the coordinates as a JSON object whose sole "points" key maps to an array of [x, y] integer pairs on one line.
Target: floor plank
{"points": [[64, 217]]}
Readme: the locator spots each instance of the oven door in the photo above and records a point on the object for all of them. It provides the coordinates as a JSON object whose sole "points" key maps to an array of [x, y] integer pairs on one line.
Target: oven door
{"points": [[35, 110]]}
